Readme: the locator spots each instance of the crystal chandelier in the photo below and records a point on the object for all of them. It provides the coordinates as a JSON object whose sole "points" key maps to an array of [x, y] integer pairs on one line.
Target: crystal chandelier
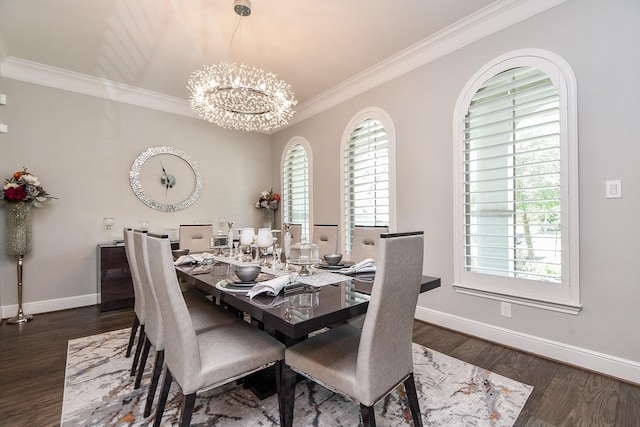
{"points": [[241, 97]]}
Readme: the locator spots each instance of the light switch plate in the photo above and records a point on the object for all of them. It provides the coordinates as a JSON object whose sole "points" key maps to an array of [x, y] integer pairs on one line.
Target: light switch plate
{"points": [[613, 189]]}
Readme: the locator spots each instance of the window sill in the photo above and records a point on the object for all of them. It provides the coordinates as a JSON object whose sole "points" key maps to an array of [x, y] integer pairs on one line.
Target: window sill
{"points": [[545, 305]]}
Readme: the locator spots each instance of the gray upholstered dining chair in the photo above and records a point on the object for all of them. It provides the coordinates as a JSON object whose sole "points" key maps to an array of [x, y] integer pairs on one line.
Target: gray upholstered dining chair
{"points": [[204, 315], [365, 365], [138, 302], [326, 237], [364, 245], [199, 361], [365, 242], [196, 237]]}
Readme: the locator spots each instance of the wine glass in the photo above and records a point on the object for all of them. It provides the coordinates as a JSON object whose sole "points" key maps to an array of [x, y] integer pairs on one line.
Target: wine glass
{"points": [[264, 240], [246, 237], [108, 222], [277, 253], [230, 237], [221, 223], [236, 252]]}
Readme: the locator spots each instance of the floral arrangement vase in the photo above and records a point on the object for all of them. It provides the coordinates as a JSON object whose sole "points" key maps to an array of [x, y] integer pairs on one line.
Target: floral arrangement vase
{"points": [[18, 228], [268, 203], [268, 216]]}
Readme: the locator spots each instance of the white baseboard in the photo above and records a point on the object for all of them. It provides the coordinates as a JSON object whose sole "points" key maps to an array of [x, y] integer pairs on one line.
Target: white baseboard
{"points": [[624, 369], [627, 370], [50, 305]]}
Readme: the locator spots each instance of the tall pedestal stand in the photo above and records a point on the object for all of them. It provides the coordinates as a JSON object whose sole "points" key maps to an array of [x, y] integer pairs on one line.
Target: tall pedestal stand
{"points": [[18, 241], [20, 317]]}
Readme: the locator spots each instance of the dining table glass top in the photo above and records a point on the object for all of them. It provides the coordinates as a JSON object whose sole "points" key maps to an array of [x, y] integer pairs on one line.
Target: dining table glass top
{"points": [[297, 310], [301, 307]]}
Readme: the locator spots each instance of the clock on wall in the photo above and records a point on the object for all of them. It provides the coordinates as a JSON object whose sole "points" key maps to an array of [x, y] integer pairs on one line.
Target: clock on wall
{"points": [[166, 179]]}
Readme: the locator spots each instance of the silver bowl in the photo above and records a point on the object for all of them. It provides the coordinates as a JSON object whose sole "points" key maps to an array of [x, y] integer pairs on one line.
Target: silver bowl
{"points": [[248, 273], [333, 259], [177, 253]]}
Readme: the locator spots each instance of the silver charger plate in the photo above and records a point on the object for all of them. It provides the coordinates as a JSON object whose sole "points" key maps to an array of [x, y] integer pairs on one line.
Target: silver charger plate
{"points": [[345, 264], [240, 283], [231, 286]]}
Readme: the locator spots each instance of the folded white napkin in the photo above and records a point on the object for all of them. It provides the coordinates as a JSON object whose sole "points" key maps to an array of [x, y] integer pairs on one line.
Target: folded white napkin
{"points": [[269, 287], [195, 258], [364, 266]]}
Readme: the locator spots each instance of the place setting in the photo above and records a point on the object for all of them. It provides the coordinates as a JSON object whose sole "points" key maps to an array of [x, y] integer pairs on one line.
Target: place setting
{"points": [[244, 278], [333, 263]]}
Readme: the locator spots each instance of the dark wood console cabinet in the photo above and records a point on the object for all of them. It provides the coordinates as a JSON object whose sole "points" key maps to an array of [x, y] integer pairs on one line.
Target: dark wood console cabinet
{"points": [[114, 277]]}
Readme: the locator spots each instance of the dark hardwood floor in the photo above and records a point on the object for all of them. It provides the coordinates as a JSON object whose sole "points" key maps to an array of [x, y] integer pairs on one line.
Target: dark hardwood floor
{"points": [[562, 395], [33, 357]]}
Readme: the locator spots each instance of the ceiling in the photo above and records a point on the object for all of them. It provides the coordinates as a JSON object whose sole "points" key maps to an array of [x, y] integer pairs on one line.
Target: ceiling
{"points": [[156, 44]]}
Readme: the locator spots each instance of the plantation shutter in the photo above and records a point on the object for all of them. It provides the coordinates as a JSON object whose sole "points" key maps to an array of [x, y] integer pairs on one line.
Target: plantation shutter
{"points": [[295, 180], [366, 169], [512, 199]]}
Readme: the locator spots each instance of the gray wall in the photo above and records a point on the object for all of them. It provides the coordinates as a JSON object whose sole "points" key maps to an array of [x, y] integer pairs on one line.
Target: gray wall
{"points": [[82, 149], [599, 41]]}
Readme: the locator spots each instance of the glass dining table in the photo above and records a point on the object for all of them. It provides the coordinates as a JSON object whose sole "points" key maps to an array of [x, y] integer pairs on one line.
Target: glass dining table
{"points": [[297, 310]]}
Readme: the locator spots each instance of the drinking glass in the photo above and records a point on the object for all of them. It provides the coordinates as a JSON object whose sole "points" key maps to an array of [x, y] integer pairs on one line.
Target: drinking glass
{"points": [[108, 222], [246, 237], [264, 240], [221, 223], [277, 253], [236, 252]]}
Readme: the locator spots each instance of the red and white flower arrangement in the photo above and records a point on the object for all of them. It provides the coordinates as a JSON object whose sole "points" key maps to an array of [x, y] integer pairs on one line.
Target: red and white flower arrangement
{"points": [[25, 187], [268, 200]]}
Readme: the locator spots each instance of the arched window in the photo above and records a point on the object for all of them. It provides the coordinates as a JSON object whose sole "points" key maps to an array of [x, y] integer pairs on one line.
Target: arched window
{"points": [[516, 171], [368, 173], [296, 194]]}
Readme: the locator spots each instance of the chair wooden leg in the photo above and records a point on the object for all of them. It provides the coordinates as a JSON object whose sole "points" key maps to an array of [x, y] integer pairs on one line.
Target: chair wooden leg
{"points": [[368, 416], [412, 396], [287, 395], [141, 339], [155, 378], [143, 363], [187, 409], [280, 389], [132, 337], [162, 400]]}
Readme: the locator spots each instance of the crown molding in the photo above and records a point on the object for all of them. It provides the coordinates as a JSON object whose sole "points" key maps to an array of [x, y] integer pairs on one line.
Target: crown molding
{"points": [[493, 18], [58, 78], [489, 20]]}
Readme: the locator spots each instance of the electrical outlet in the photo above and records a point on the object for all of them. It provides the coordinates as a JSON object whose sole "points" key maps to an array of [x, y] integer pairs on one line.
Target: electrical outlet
{"points": [[505, 309]]}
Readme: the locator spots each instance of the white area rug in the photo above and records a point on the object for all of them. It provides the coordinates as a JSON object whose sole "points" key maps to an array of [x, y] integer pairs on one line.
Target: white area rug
{"points": [[99, 392]]}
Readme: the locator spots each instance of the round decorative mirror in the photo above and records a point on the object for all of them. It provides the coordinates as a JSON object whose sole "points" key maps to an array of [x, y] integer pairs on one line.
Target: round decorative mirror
{"points": [[166, 179]]}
